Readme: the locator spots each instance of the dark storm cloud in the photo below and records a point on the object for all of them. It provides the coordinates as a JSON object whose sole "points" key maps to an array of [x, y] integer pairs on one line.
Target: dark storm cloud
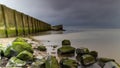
{"points": [[89, 12], [72, 12]]}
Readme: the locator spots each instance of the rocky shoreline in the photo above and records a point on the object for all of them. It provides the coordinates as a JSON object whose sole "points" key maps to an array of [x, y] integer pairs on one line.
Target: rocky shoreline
{"points": [[31, 53]]}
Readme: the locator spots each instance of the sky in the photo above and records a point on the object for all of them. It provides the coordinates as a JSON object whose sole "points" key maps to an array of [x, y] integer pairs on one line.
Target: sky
{"points": [[88, 13]]}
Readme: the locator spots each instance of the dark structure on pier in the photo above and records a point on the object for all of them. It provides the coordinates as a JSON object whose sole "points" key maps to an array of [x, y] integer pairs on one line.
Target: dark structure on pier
{"points": [[14, 23]]}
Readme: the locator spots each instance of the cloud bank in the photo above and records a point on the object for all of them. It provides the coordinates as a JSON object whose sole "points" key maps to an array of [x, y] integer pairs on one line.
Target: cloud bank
{"points": [[91, 13]]}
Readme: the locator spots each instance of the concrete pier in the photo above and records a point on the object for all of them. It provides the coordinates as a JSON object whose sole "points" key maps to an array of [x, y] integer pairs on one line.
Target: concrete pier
{"points": [[14, 23]]}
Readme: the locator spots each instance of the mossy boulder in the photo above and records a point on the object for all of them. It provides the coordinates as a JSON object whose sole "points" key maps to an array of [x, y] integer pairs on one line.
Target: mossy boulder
{"points": [[87, 60], [102, 61], [42, 48], [81, 51], [94, 53], [66, 50], [25, 55], [51, 62], [21, 46], [111, 64], [39, 63], [19, 39], [15, 62], [2, 50], [9, 52], [66, 42], [68, 63]]}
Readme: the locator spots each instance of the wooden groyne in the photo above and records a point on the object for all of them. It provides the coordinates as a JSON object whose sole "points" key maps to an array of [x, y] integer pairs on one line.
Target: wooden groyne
{"points": [[14, 23]]}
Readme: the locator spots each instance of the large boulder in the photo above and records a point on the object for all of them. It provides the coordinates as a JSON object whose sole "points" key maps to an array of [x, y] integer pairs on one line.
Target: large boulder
{"points": [[102, 61], [94, 53], [19, 39], [65, 50], [25, 55], [81, 51], [9, 52], [111, 64], [87, 60], [66, 42], [42, 48], [15, 62], [2, 48], [38, 63], [21, 46], [51, 62], [68, 63]]}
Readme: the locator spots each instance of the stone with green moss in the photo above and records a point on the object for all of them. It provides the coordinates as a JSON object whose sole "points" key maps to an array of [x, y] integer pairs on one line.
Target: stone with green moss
{"points": [[19, 39], [102, 61], [68, 63], [66, 42], [81, 51], [9, 52], [39, 63], [94, 53], [21, 46], [111, 64], [51, 62], [15, 62], [87, 60], [42, 48], [2, 50], [66, 50], [25, 55]]}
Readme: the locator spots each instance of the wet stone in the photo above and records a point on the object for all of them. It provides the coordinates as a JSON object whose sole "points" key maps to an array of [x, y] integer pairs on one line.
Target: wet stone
{"points": [[66, 42], [66, 50], [68, 63]]}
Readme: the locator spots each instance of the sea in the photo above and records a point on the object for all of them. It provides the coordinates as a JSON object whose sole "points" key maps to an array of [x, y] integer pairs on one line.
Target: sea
{"points": [[106, 41]]}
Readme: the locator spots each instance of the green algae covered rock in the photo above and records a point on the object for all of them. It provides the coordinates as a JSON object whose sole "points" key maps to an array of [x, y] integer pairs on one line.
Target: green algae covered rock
{"points": [[38, 63], [68, 63], [42, 48], [87, 60], [66, 42], [111, 64], [2, 50], [19, 39], [15, 62], [25, 55], [94, 53], [51, 62], [102, 61], [66, 50], [81, 51], [21, 46], [9, 52]]}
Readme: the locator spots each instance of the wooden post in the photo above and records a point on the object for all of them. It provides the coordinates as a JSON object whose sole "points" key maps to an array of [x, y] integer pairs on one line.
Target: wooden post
{"points": [[16, 28], [3, 12], [35, 26], [32, 25], [23, 25], [28, 25]]}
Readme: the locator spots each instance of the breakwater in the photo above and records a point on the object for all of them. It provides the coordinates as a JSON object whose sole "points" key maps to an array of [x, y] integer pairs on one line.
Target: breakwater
{"points": [[14, 23]]}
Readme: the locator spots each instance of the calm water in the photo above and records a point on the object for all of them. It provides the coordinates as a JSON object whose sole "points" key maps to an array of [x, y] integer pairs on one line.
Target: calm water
{"points": [[105, 41]]}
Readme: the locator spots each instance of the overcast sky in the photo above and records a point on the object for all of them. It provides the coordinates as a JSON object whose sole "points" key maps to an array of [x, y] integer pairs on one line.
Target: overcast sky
{"points": [[95, 13]]}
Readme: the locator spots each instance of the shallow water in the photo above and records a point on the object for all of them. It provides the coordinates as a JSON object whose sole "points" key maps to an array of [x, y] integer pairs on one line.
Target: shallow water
{"points": [[105, 41]]}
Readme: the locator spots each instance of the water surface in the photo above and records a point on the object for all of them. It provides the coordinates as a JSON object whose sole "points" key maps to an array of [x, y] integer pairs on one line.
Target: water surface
{"points": [[105, 41]]}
